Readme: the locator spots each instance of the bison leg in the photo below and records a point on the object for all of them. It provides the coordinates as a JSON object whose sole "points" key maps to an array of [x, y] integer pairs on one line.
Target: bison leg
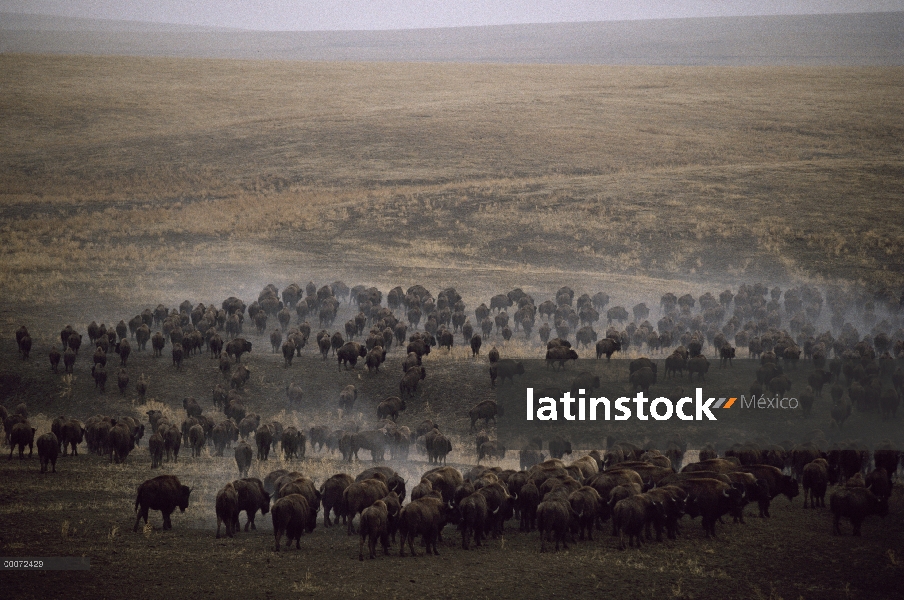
{"points": [[142, 513], [166, 520]]}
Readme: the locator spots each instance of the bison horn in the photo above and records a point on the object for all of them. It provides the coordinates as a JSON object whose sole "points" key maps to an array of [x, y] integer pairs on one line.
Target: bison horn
{"points": [[497, 510], [725, 493]]}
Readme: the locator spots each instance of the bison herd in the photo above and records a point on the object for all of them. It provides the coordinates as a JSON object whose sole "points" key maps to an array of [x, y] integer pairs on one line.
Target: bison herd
{"points": [[636, 490], [640, 490]]}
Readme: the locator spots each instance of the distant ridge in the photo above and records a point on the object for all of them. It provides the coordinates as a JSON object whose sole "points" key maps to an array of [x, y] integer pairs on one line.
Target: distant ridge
{"points": [[23, 22], [860, 39]]}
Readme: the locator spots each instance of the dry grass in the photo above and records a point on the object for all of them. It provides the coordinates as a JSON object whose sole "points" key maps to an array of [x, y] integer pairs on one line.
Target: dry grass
{"points": [[128, 175]]}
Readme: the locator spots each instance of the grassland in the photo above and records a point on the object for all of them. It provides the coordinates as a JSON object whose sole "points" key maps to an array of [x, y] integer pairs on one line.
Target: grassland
{"points": [[196, 169]]}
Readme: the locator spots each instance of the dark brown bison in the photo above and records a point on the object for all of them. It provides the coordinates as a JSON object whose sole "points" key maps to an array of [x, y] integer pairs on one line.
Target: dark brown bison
{"points": [[374, 526], [855, 504], [485, 410], [347, 397], [426, 517], [263, 439], [191, 406], [559, 447], [476, 343], [607, 346], [408, 383], [490, 449], [393, 480], [72, 433], [252, 497], [361, 494], [235, 348], [699, 365], [54, 356], [156, 448], [560, 355], [196, 439], [815, 481], [505, 369], [332, 497], [390, 407], [178, 353], [243, 456], [172, 442], [48, 450], [227, 509], [164, 493], [643, 379], [554, 518], [778, 483], [712, 500], [293, 443], [158, 342], [472, 514], [100, 378], [438, 447], [290, 517], [21, 434], [349, 353], [630, 516], [120, 441]]}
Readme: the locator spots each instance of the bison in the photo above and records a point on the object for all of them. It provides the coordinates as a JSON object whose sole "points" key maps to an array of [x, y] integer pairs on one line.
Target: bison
{"points": [[390, 407], [409, 381], [374, 525], [252, 497], [164, 493], [332, 497], [227, 509], [48, 450], [425, 516], [21, 435], [290, 517], [243, 456], [505, 369], [855, 504], [485, 410], [349, 353], [360, 495], [560, 355]]}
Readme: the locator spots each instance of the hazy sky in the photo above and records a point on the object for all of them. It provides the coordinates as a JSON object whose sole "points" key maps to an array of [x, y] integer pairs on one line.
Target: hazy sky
{"points": [[308, 15]]}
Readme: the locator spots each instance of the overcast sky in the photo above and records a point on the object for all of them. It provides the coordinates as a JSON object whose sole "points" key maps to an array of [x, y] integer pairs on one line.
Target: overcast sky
{"points": [[311, 15]]}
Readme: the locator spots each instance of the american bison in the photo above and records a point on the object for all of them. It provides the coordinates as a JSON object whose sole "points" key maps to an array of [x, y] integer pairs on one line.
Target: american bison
{"points": [[227, 509], [855, 504], [243, 456], [426, 517], [485, 410], [48, 450], [505, 369], [290, 517], [164, 493], [252, 497], [374, 526], [390, 407], [21, 434]]}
